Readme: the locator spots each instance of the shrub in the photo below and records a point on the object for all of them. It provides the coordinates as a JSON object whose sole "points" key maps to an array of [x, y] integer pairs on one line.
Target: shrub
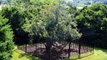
{"points": [[6, 40]]}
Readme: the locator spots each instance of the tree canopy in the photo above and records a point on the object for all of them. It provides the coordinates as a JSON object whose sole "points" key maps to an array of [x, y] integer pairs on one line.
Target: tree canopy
{"points": [[94, 19], [53, 22]]}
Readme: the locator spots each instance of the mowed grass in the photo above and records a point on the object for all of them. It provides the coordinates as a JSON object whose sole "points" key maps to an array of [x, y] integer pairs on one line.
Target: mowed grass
{"points": [[99, 54], [20, 55]]}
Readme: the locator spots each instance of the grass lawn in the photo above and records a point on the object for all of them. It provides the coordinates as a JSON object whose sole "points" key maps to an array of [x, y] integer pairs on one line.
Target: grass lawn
{"points": [[20, 55], [99, 54]]}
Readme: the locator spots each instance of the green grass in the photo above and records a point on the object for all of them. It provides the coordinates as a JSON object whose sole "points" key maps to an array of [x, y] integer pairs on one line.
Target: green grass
{"points": [[99, 54], [20, 55]]}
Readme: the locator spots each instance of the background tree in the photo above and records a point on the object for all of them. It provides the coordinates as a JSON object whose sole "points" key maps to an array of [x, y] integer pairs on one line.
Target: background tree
{"points": [[6, 40], [94, 19], [16, 18]]}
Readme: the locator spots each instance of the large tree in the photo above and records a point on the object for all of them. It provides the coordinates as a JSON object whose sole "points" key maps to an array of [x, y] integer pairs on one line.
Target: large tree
{"points": [[6, 40], [53, 23]]}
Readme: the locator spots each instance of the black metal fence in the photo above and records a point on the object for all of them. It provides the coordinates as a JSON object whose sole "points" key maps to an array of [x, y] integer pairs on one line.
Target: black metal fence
{"points": [[74, 50]]}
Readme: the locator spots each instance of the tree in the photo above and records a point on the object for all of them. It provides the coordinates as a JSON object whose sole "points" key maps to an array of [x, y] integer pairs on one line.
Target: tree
{"points": [[93, 18], [37, 15], [54, 24], [6, 40], [16, 17], [22, 14]]}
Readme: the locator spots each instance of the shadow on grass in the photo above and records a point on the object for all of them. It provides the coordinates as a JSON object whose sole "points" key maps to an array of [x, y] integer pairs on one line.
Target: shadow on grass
{"points": [[103, 50], [28, 56]]}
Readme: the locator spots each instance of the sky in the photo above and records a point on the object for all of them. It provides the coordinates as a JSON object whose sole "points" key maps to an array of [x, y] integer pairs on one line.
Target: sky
{"points": [[69, 0], [82, 3]]}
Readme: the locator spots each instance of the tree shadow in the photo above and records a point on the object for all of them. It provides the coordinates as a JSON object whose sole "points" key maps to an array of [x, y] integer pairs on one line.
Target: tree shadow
{"points": [[28, 56], [55, 52]]}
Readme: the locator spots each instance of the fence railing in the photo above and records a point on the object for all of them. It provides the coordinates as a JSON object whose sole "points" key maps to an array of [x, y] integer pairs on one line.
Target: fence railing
{"points": [[73, 51]]}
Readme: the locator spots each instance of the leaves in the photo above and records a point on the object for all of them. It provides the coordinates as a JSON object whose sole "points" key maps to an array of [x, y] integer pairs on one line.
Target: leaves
{"points": [[6, 39]]}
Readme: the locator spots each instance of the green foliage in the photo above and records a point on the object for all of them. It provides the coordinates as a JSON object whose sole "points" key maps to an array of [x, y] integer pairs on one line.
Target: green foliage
{"points": [[6, 40], [51, 21], [15, 16], [94, 19], [43, 18]]}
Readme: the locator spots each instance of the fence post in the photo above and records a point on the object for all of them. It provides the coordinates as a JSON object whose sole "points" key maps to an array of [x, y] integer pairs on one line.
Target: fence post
{"points": [[25, 47], [79, 49], [69, 50]]}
